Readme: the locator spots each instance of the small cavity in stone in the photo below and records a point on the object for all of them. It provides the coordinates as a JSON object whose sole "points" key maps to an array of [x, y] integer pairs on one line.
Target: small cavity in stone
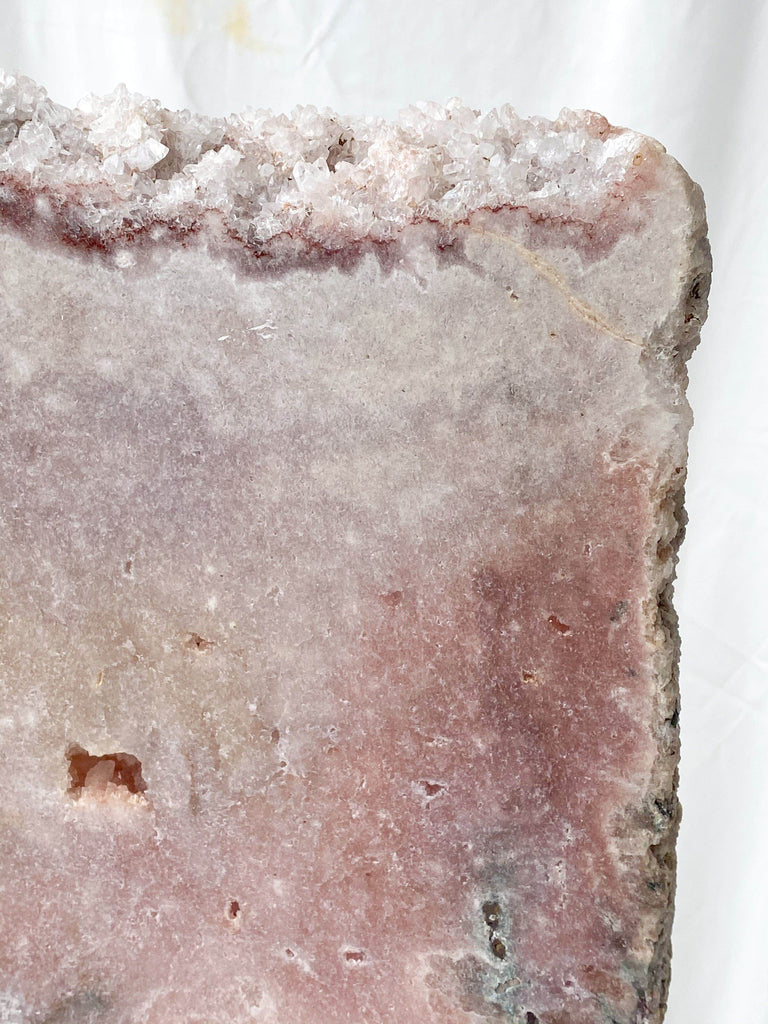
{"points": [[619, 611], [199, 643], [430, 789], [491, 913], [92, 773], [558, 626]]}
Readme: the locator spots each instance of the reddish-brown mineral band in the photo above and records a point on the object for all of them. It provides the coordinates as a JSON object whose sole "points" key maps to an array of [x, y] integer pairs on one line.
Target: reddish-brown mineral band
{"points": [[342, 470]]}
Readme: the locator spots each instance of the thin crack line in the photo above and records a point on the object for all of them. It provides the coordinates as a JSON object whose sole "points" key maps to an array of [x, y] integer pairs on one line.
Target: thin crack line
{"points": [[546, 270]]}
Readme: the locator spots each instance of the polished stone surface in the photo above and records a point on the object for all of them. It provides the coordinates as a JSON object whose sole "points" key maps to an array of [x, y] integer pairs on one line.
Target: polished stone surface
{"points": [[337, 665]]}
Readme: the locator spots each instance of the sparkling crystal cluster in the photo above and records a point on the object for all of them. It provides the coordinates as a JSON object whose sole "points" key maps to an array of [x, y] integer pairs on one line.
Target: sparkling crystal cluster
{"points": [[124, 161]]}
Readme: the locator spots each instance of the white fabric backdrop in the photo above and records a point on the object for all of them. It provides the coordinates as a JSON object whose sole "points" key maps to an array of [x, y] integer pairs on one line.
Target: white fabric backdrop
{"points": [[695, 76]]}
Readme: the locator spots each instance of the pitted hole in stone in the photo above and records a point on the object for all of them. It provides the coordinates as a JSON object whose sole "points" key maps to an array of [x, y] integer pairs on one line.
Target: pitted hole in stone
{"points": [[492, 918], [199, 643], [430, 789], [233, 910], [531, 1018], [354, 956], [92, 773], [492, 914], [619, 612], [559, 627]]}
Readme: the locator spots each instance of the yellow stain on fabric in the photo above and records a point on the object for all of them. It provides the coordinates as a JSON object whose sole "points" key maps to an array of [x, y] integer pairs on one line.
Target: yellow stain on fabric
{"points": [[237, 26], [184, 15], [178, 14]]}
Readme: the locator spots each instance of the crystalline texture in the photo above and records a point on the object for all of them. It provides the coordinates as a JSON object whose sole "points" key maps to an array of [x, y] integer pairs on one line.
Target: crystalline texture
{"points": [[341, 494]]}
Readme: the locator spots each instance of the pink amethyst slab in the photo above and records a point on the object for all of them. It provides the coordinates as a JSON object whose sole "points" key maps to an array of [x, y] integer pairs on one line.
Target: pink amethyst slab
{"points": [[342, 483]]}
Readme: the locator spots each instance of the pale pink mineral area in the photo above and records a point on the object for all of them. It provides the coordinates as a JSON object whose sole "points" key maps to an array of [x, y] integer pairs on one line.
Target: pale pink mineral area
{"points": [[342, 474]]}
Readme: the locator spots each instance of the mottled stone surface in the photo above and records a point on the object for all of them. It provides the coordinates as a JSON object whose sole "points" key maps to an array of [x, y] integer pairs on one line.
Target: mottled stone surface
{"points": [[337, 664]]}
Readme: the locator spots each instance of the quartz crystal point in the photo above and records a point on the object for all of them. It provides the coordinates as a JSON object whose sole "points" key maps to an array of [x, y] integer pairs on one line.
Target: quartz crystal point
{"points": [[342, 474]]}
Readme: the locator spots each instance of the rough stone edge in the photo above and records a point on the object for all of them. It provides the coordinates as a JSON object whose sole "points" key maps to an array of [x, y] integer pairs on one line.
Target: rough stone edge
{"points": [[669, 350]]}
